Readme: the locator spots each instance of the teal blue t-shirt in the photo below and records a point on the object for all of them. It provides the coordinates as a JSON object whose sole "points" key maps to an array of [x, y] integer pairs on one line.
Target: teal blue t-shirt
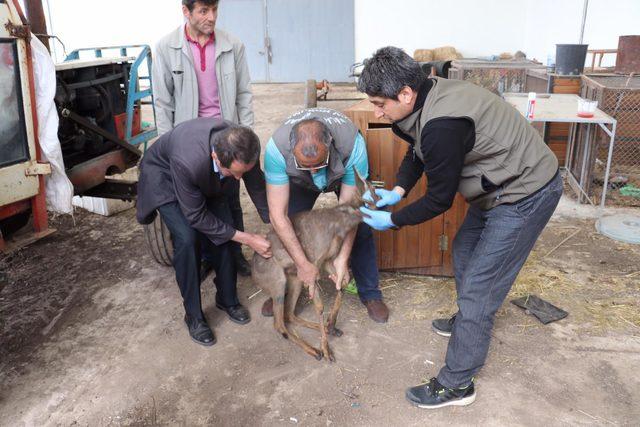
{"points": [[275, 167]]}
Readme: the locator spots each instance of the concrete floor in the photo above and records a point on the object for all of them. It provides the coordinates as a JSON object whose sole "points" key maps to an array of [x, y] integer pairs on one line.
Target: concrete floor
{"points": [[92, 334]]}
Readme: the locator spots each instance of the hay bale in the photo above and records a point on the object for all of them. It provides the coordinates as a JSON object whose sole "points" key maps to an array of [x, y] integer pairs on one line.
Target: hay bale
{"points": [[446, 53], [423, 55], [506, 56]]}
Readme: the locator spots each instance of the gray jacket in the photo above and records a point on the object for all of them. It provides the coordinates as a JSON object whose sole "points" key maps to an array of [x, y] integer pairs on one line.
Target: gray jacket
{"points": [[175, 86]]}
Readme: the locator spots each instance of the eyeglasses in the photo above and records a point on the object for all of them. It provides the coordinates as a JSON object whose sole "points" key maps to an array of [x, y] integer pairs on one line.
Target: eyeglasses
{"points": [[311, 168]]}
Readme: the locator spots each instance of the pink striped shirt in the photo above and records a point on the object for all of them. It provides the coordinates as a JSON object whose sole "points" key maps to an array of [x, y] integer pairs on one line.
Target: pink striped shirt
{"points": [[204, 58]]}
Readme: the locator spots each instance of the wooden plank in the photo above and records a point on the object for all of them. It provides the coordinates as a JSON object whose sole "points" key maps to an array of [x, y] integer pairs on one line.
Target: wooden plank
{"points": [[379, 147]]}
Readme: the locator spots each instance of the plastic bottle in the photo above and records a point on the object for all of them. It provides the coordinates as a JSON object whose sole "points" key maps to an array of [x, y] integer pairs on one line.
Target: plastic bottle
{"points": [[531, 105]]}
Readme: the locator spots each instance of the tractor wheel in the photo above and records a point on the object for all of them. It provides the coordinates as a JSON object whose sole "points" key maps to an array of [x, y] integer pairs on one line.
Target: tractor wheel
{"points": [[159, 242]]}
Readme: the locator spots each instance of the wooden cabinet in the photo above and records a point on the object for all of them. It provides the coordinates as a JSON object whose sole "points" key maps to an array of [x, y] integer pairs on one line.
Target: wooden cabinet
{"points": [[420, 249]]}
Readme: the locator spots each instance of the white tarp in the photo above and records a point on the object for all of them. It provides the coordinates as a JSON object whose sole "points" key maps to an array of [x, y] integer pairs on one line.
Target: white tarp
{"points": [[59, 189]]}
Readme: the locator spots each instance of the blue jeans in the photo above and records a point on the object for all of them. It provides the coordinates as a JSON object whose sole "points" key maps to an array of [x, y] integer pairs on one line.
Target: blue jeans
{"points": [[488, 252], [363, 255]]}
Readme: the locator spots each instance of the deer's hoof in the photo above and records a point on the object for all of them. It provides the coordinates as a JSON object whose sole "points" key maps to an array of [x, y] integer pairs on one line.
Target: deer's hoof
{"points": [[335, 332], [318, 355], [329, 356]]}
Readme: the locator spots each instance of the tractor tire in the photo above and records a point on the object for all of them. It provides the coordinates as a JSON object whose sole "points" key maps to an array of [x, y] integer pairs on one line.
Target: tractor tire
{"points": [[310, 94], [158, 239]]}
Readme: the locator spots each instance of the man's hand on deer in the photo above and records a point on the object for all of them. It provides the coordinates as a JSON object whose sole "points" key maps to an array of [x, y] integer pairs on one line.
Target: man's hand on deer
{"points": [[341, 275], [308, 273]]}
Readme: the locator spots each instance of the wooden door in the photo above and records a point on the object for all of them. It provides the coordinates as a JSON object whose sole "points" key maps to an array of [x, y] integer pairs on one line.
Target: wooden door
{"points": [[412, 246], [419, 249]]}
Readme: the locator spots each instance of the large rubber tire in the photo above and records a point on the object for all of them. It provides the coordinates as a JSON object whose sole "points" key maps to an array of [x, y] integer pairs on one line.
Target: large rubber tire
{"points": [[310, 94], [159, 242]]}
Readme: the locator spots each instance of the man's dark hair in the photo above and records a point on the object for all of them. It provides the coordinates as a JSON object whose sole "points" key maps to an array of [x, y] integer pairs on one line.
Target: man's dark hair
{"points": [[192, 3], [306, 132], [238, 143], [388, 71]]}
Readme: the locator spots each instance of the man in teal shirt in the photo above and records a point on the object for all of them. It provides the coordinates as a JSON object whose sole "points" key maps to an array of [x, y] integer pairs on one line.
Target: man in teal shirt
{"points": [[314, 152]]}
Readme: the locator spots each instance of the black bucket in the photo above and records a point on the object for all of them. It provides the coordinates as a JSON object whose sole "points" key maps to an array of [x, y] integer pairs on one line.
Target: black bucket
{"points": [[442, 68], [570, 59]]}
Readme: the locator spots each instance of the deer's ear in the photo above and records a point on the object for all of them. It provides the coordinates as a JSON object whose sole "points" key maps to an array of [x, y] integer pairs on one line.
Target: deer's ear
{"points": [[361, 183]]}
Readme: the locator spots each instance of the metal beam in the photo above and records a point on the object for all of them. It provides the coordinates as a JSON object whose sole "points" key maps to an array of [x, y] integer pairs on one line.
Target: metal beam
{"points": [[584, 20], [37, 20]]}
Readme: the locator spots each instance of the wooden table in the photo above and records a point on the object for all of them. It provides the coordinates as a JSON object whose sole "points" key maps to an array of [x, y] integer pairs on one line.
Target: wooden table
{"points": [[420, 249]]}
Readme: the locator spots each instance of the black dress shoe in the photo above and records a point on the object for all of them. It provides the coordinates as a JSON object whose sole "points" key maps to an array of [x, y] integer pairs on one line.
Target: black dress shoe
{"points": [[242, 265], [237, 313], [199, 330]]}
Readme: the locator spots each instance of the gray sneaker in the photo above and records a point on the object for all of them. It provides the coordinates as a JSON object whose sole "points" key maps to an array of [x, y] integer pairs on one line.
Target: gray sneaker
{"points": [[443, 327]]}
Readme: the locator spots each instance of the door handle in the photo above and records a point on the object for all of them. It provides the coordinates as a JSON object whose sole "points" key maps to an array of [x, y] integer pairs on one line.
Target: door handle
{"points": [[267, 47]]}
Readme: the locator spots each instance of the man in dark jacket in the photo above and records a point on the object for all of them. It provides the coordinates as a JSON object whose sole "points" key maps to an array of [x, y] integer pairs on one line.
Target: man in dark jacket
{"points": [[186, 176], [468, 140]]}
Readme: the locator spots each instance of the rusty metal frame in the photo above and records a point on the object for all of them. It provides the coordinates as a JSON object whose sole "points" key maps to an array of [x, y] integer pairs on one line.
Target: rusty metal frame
{"points": [[92, 173]]}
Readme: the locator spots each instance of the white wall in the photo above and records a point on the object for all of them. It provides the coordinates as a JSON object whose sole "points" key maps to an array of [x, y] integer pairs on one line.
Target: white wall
{"points": [[474, 27], [93, 23], [480, 28]]}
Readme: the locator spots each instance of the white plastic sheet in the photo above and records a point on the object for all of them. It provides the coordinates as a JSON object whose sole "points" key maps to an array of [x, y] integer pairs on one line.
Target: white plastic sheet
{"points": [[59, 190]]}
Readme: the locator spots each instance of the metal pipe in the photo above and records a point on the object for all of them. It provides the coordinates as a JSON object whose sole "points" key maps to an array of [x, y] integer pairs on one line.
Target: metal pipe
{"points": [[584, 20], [37, 20], [66, 113]]}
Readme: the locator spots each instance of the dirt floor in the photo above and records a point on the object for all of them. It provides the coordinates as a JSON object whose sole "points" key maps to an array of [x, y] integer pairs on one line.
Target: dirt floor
{"points": [[92, 334]]}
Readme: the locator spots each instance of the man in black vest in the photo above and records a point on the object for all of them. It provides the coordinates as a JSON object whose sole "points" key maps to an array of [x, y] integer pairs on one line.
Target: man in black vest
{"points": [[314, 151], [186, 176], [464, 139]]}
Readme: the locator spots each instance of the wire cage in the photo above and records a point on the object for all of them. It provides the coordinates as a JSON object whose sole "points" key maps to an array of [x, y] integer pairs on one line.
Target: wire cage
{"points": [[496, 76], [619, 97]]}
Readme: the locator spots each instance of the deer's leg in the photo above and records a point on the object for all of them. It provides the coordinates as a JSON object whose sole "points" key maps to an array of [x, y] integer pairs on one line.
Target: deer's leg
{"points": [[278, 287], [279, 304], [333, 315], [324, 342], [294, 289]]}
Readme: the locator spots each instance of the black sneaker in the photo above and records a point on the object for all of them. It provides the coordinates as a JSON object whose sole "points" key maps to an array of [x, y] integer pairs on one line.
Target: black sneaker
{"points": [[434, 395], [443, 327]]}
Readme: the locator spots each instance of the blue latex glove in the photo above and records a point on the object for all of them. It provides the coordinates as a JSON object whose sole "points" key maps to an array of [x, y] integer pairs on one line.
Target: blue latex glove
{"points": [[387, 197], [378, 220]]}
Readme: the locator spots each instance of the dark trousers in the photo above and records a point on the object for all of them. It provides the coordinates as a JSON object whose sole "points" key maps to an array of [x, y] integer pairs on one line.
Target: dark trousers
{"points": [[488, 252], [188, 245], [363, 255], [232, 194], [236, 211]]}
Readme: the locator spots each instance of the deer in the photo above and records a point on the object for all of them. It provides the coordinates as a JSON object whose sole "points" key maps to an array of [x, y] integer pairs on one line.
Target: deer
{"points": [[321, 233]]}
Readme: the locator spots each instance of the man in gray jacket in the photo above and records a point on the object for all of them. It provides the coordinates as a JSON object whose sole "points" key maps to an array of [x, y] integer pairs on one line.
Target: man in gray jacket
{"points": [[468, 140], [201, 71]]}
